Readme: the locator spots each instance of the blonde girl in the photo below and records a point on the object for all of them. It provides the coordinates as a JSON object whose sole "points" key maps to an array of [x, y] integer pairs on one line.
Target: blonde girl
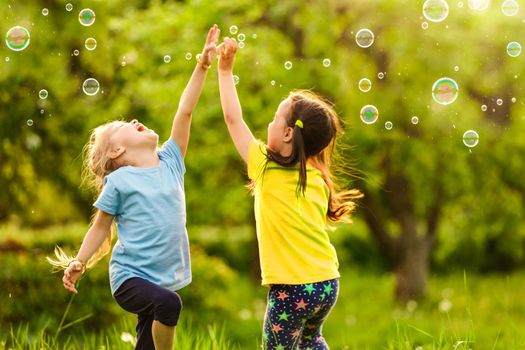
{"points": [[142, 191]]}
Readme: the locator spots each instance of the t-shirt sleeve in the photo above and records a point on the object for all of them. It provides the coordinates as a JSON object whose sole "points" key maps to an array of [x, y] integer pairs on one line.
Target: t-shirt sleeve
{"points": [[170, 152], [109, 200], [256, 159]]}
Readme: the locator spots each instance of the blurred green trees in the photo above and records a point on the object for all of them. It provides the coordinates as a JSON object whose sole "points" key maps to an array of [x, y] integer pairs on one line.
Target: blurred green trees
{"points": [[425, 191]]}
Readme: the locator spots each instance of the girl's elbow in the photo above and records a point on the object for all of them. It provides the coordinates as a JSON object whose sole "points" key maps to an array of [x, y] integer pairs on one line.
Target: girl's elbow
{"points": [[230, 118]]}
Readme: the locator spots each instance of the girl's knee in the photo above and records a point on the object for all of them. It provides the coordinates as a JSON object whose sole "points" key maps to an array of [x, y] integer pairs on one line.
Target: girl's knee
{"points": [[169, 306]]}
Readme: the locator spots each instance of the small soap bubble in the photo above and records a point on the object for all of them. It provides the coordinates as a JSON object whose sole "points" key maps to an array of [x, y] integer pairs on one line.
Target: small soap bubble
{"points": [[43, 94], [435, 10], [233, 29], [460, 4], [254, 36], [445, 91], [42, 111], [17, 38], [415, 120], [424, 25], [510, 8], [513, 100], [167, 59], [327, 62], [478, 5], [76, 52], [90, 44], [236, 79], [388, 125], [30, 122], [456, 68], [365, 85], [470, 138], [86, 17], [499, 101], [45, 12], [7, 59], [484, 108], [90, 86], [123, 63], [369, 114], [69, 7], [364, 38], [241, 37], [380, 75], [241, 45], [188, 56], [272, 82], [288, 65], [514, 49]]}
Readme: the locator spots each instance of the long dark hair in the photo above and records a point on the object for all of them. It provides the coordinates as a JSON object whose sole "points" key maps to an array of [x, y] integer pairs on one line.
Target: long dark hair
{"points": [[314, 140]]}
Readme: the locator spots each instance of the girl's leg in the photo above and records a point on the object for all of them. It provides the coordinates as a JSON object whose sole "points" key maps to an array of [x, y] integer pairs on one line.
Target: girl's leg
{"points": [[155, 306], [312, 337], [163, 336]]}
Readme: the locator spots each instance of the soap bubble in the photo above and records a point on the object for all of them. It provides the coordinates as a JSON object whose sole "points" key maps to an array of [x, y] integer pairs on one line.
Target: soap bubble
{"points": [[30, 122], [365, 85], [288, 65], [236, 79], [69, 7], [167, 59], [90, 86], [499, 101], [415, 120], [514, 49], [326, 62], [435, 10], [76, 52], [445, 91], [369, 114], [45, 12], [510, 8], [241, 45], [17, 38], [388, 125], [470, 138], [188, 56], [484, 108], [43, 94], [424, 25], [364, 38], [478, 5], [86, 17], [380, 75], [233, 29], [241, 37], [90, 44]]}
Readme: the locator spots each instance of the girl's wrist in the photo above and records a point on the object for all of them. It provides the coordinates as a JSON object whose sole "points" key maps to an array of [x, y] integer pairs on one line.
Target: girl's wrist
{"points": [[79, 261]]}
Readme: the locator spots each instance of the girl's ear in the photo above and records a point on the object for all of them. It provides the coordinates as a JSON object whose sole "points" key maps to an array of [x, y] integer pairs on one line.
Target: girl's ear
{"points": [[288, 134], [116, 152]]}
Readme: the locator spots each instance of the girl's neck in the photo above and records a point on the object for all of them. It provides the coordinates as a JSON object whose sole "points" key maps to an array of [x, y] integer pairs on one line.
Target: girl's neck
{"points": [[145, 159]]}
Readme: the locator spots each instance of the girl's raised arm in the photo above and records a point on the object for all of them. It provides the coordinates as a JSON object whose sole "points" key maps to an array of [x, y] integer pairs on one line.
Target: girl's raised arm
{"points": [[231, 107], [180, 131]]}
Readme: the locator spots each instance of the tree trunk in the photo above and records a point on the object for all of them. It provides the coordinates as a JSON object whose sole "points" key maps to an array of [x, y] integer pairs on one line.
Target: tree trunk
{"points": [[412, 269]]}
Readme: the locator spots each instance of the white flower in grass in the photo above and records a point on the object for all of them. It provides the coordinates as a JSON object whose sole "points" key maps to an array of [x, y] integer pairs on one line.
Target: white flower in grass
{"points": [[445, 305], [128, 338]]}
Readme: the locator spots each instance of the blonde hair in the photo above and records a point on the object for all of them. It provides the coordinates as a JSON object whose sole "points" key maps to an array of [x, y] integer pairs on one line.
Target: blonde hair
{"points": [[96, 165]]}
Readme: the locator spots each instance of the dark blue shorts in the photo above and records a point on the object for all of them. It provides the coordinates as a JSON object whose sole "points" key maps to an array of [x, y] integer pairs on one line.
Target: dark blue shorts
{"points": [[150, 302]]}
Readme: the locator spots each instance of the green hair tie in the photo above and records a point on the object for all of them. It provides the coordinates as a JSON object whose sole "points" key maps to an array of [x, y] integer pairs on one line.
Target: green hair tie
{"points": [[299, 123]]}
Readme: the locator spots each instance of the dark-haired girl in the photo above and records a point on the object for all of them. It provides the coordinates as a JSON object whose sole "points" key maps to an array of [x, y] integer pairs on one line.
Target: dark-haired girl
{"points": [[295, 198]]}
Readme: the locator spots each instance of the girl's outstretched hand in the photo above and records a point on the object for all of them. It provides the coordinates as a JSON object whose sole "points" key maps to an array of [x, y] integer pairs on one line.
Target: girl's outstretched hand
{"points": [[210, 48], [227, 51], [71, 275]]}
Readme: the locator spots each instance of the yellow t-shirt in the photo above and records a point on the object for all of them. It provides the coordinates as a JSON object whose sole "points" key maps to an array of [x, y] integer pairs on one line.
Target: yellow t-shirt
{"points": [[294, 246]]}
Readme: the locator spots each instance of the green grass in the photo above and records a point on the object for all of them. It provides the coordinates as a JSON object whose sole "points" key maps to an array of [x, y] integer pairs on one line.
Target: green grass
{"points": [[460, 312]]}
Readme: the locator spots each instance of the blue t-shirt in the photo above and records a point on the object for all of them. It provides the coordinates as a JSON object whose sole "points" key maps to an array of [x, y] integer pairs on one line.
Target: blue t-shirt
{"points": [[150, 211]]}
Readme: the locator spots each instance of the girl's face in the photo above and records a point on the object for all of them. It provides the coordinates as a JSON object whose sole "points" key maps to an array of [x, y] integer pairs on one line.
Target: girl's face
{"points": [[132, 135], [279, 133]]}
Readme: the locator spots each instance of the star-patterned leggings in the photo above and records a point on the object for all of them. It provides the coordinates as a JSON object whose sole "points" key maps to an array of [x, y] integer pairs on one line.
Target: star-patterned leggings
{"points": [[295, 315]]}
